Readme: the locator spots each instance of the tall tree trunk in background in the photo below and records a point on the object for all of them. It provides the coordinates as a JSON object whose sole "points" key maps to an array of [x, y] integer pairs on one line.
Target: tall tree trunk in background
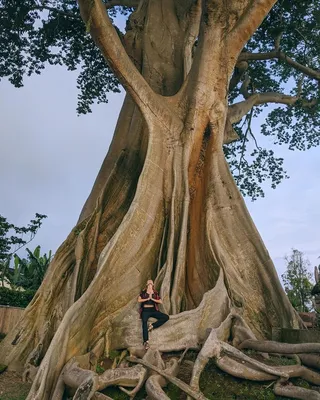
{"points": [[164, 205]]}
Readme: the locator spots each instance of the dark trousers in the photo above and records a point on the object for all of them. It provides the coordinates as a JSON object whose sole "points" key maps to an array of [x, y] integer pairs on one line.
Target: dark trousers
{"points": [[152, 313]]}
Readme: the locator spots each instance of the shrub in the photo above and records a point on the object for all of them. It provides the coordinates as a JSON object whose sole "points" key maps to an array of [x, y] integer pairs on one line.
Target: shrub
{"points": [[15, 298]]}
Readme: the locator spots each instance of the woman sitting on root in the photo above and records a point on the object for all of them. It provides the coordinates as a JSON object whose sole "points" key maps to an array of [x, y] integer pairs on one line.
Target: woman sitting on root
{"points": [[149, 299]]}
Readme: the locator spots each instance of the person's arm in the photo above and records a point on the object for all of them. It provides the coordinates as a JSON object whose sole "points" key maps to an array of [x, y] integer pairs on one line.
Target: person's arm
{"points": [[158, 300], [141, 300]]}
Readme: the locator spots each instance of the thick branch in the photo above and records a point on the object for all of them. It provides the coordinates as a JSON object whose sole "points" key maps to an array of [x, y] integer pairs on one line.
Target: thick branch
{"points": [[247, 24], [239, 110], [94, 15], [280, 56]]}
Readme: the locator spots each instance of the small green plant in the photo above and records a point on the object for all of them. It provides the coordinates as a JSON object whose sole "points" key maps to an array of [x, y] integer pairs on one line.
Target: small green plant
{"points": [[99, 369], [3, 368], [114, 354]]}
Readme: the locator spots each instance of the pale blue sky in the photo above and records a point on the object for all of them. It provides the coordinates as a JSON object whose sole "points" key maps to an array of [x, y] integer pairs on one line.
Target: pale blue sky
{"points": [[49, 159]]}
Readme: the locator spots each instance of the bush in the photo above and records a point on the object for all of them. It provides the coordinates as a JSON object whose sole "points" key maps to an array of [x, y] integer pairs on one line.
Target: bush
{"points": [[15, 298]]}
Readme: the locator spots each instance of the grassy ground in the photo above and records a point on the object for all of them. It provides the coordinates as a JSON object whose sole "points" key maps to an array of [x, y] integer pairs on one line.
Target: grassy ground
{"points": [[214, 383], [12, 388]]}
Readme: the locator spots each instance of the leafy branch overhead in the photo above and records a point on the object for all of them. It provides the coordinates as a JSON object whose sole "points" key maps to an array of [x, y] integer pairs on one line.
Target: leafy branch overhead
{"points": [[277, 74]]}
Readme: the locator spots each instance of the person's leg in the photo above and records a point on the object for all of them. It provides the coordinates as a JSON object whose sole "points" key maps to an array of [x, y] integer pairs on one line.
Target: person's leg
{"points": [[145, 315], [161, 317]]}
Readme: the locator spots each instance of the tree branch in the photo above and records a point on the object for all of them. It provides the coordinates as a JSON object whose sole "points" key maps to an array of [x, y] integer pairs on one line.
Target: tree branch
{"points": [[239, 110], [280, 56], [247, 24], [122, 3], [99, 25]]}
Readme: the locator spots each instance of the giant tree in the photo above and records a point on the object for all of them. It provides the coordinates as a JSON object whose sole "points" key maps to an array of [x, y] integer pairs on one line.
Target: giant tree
{"points": [[165, 204]]}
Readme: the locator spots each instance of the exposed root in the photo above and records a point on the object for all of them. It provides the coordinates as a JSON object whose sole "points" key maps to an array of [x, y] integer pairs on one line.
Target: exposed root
{"points": [[295, 392], [270, 346], [231, 351], [242, 370], [247, 371], [86, 390], [155, 383], [181, 385], [85, 384], [211, 348], [130, 377], [80, 381], [310, 360], [214, 347]]}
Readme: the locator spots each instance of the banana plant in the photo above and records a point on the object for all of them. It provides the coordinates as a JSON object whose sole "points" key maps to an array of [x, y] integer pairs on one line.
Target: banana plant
{"points": [[29, 273]]}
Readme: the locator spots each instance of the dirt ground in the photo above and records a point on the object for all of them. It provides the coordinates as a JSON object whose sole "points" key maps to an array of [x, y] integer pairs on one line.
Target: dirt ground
{"points": [[12, 387]]}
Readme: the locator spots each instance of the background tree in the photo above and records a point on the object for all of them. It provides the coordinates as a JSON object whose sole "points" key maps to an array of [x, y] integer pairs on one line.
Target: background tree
{"points": [[13, 239], [28, 273], [164, 204], [316, 293], [297, 281]]}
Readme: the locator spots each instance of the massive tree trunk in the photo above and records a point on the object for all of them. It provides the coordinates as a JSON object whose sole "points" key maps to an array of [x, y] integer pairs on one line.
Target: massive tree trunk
{"points": [[164, 205]]}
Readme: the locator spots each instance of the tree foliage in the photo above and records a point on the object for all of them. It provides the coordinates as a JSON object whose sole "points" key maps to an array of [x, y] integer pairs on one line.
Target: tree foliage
{"points": [[297, 281], [29, 272], [282, 57]]}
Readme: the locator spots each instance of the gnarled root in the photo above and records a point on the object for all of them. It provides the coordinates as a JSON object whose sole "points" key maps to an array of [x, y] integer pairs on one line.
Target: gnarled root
{"points": [[215, 345], [289, 390], [281, 388], [310, 360], [85, 384], [130, 377], [155, 383], [234, 362], [246, 370], [181, 385], [269, 346], [242, 370], [81, 382]]}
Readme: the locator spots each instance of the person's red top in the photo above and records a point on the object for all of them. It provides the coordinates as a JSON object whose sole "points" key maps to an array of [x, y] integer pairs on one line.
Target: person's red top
{"points": [[145, 295]]}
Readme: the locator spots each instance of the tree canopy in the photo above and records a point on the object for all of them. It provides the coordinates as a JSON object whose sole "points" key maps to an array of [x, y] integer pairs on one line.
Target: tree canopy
{"points": [[279, 66]]}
